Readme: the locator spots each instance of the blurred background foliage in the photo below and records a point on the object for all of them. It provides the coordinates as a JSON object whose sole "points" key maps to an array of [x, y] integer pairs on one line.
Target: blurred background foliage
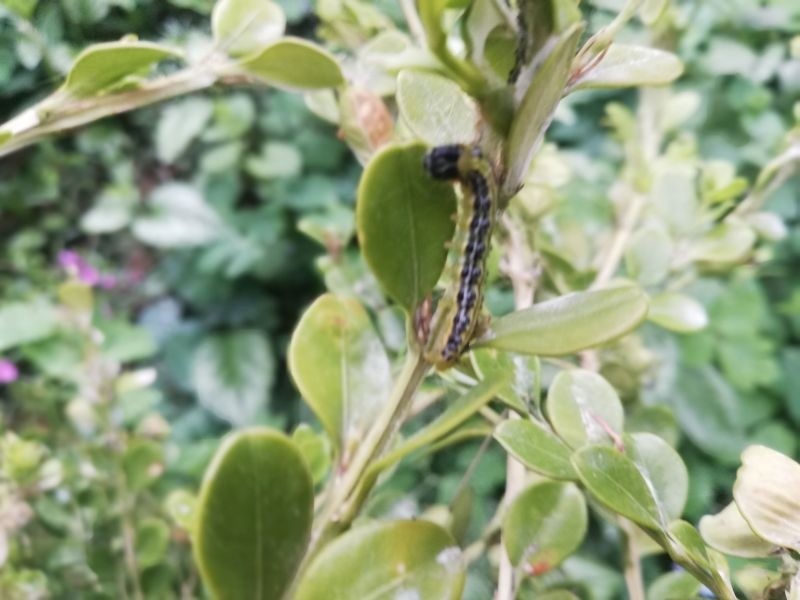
{"points": [[193, 233]]}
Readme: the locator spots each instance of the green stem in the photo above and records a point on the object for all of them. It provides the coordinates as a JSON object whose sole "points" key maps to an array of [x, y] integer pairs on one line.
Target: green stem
{"points": [[60, 113], [633, 566], [340, 510]]}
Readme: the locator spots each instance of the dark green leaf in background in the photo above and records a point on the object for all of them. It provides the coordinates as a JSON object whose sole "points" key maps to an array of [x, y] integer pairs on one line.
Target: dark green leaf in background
{"points": [[232, 374]]}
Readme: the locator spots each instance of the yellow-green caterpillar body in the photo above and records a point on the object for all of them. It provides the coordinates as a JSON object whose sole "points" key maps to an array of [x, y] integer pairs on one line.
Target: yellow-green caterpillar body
{"points": [[460, 307]]}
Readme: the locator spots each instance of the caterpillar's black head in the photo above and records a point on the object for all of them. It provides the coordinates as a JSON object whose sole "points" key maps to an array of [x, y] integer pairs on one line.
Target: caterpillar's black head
{"points": [[441, 162]]}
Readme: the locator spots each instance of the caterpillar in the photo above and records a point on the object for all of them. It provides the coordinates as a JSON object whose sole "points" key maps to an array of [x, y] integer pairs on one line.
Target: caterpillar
{"points": [[461, 304]]}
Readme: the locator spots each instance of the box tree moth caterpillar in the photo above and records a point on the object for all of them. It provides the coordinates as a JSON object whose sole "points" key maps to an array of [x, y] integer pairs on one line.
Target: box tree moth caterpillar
{"points": [[460, 306]]}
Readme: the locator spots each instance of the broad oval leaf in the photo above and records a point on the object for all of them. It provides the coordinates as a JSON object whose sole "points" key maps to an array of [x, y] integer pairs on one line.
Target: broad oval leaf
{"points": [[728, 532], [537, 107], [340, 366], [584, 409], [535, 447], [677, 312], [233, 373], [253, 516], [544, 524], [767, 492], [387, 561], [242, 27], [25, 322], [435, 108], [663, 469], [628, 66], [570, 323], [614, 479], [295, 64], [521, 371], [180, 218], [403, 221], [102, 66]]}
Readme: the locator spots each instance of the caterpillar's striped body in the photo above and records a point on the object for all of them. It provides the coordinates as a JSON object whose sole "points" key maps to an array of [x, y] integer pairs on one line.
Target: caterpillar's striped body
{"points": [[461, 303]]}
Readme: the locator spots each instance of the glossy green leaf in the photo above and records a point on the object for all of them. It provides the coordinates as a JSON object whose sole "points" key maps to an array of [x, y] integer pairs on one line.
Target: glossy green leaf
{"points": [[403, 221], [242, 27], [295, 64], [615, 480], [584, 409], [387, 561], [102, 66], [767, 493], [435, 108], [657, 419], [677, 312], [570, 323], [535, 447], [537, 106], [728, 532], [663, 469], [544, 524], [254, 516], [340, 367], [232, 374], [180, 217], [687, 542], [521, 371], [22, 323], [629, 66], [677, 585]]}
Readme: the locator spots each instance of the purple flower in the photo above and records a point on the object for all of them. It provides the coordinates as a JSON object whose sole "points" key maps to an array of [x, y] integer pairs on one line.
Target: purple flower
{"points": [[77, 266], [8, 371]]}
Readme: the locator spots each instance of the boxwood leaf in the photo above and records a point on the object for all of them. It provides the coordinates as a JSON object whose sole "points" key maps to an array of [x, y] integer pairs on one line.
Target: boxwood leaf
{"points": [[242, 27], [340, 366], [102, 66], [663, 469], [254, 516], [383, 561], [403, 222], [614, 479], [538, 105], [435, 108], [627, 66], [569, 323], [767, 492], [537, 448], [583, 408], [295, 64], [544, 524], [677, 312]]}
